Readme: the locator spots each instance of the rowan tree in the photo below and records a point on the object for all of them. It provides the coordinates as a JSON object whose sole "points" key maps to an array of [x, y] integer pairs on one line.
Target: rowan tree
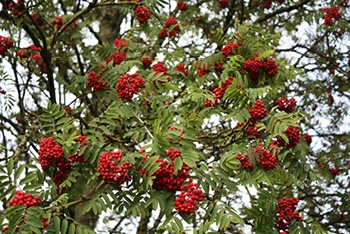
{"points": [[162, 116]]}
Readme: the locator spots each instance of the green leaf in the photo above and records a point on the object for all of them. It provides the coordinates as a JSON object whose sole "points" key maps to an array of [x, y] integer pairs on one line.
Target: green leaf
{"points": [[10, 165], [64, 226], [8, 191], [19, 171], [177, 165], [71, 229], [57, 224]]}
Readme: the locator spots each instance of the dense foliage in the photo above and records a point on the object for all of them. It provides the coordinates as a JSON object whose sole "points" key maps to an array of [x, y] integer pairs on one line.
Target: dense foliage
{"points": [[162, 116]]}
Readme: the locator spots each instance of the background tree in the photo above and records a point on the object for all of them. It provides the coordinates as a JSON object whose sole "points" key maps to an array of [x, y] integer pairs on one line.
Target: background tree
{"points": [[174, 117]]}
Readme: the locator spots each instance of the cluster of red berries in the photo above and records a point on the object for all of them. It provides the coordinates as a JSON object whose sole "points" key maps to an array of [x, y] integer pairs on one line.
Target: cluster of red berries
{"points": [[268, 3], [265, 158], [332, 14], [245, 162], [76, 157], [223, 3], [180, 133], [112, 169], [50, 154], [218, 66], [129, 85], [172, 25], [165, 177], [254, 66], [334, 171], [142, 14], [117, 58], [159, 67], [25, 199], [252, 130], [181, 68], [219, 91], [95, 83], [182, 6], [16, 8], [38, 19], [186, 202], [286, 213], [5, 44], [146, 62], [286, 105], [293, 135], [229, 49], [258, 111], [307, 138], [203, 70], [33, 52], [58, 23], [28, 52], [120, 42]]}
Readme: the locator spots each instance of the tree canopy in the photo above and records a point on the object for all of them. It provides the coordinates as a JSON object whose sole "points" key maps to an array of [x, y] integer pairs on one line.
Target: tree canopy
{"points": [[155, 116]]}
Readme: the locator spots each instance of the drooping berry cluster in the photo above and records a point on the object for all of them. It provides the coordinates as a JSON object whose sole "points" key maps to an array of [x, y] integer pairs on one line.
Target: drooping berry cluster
{"points": [[254, 66], [186, 202], [146, 62], [29, 51], [334, 171], [5, 44], [203, 70], [262, 156], [252, 130], [142, 14], [159, 67], [293, 135], [219, 92], [25, 199], [38, 19], [58, 23], [51, 154], [129, 85], [229, 49], [286, 104], [172, 25], [165, 177], [120, 43], [286, 213], [181, 6], [112, 169], [218, 65], [258, 111], [181, 68], [117, 58], [332, 14], [95, 82], [16, 8], [179, 132], [245, 162], [76, 157], [307, 138]]}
